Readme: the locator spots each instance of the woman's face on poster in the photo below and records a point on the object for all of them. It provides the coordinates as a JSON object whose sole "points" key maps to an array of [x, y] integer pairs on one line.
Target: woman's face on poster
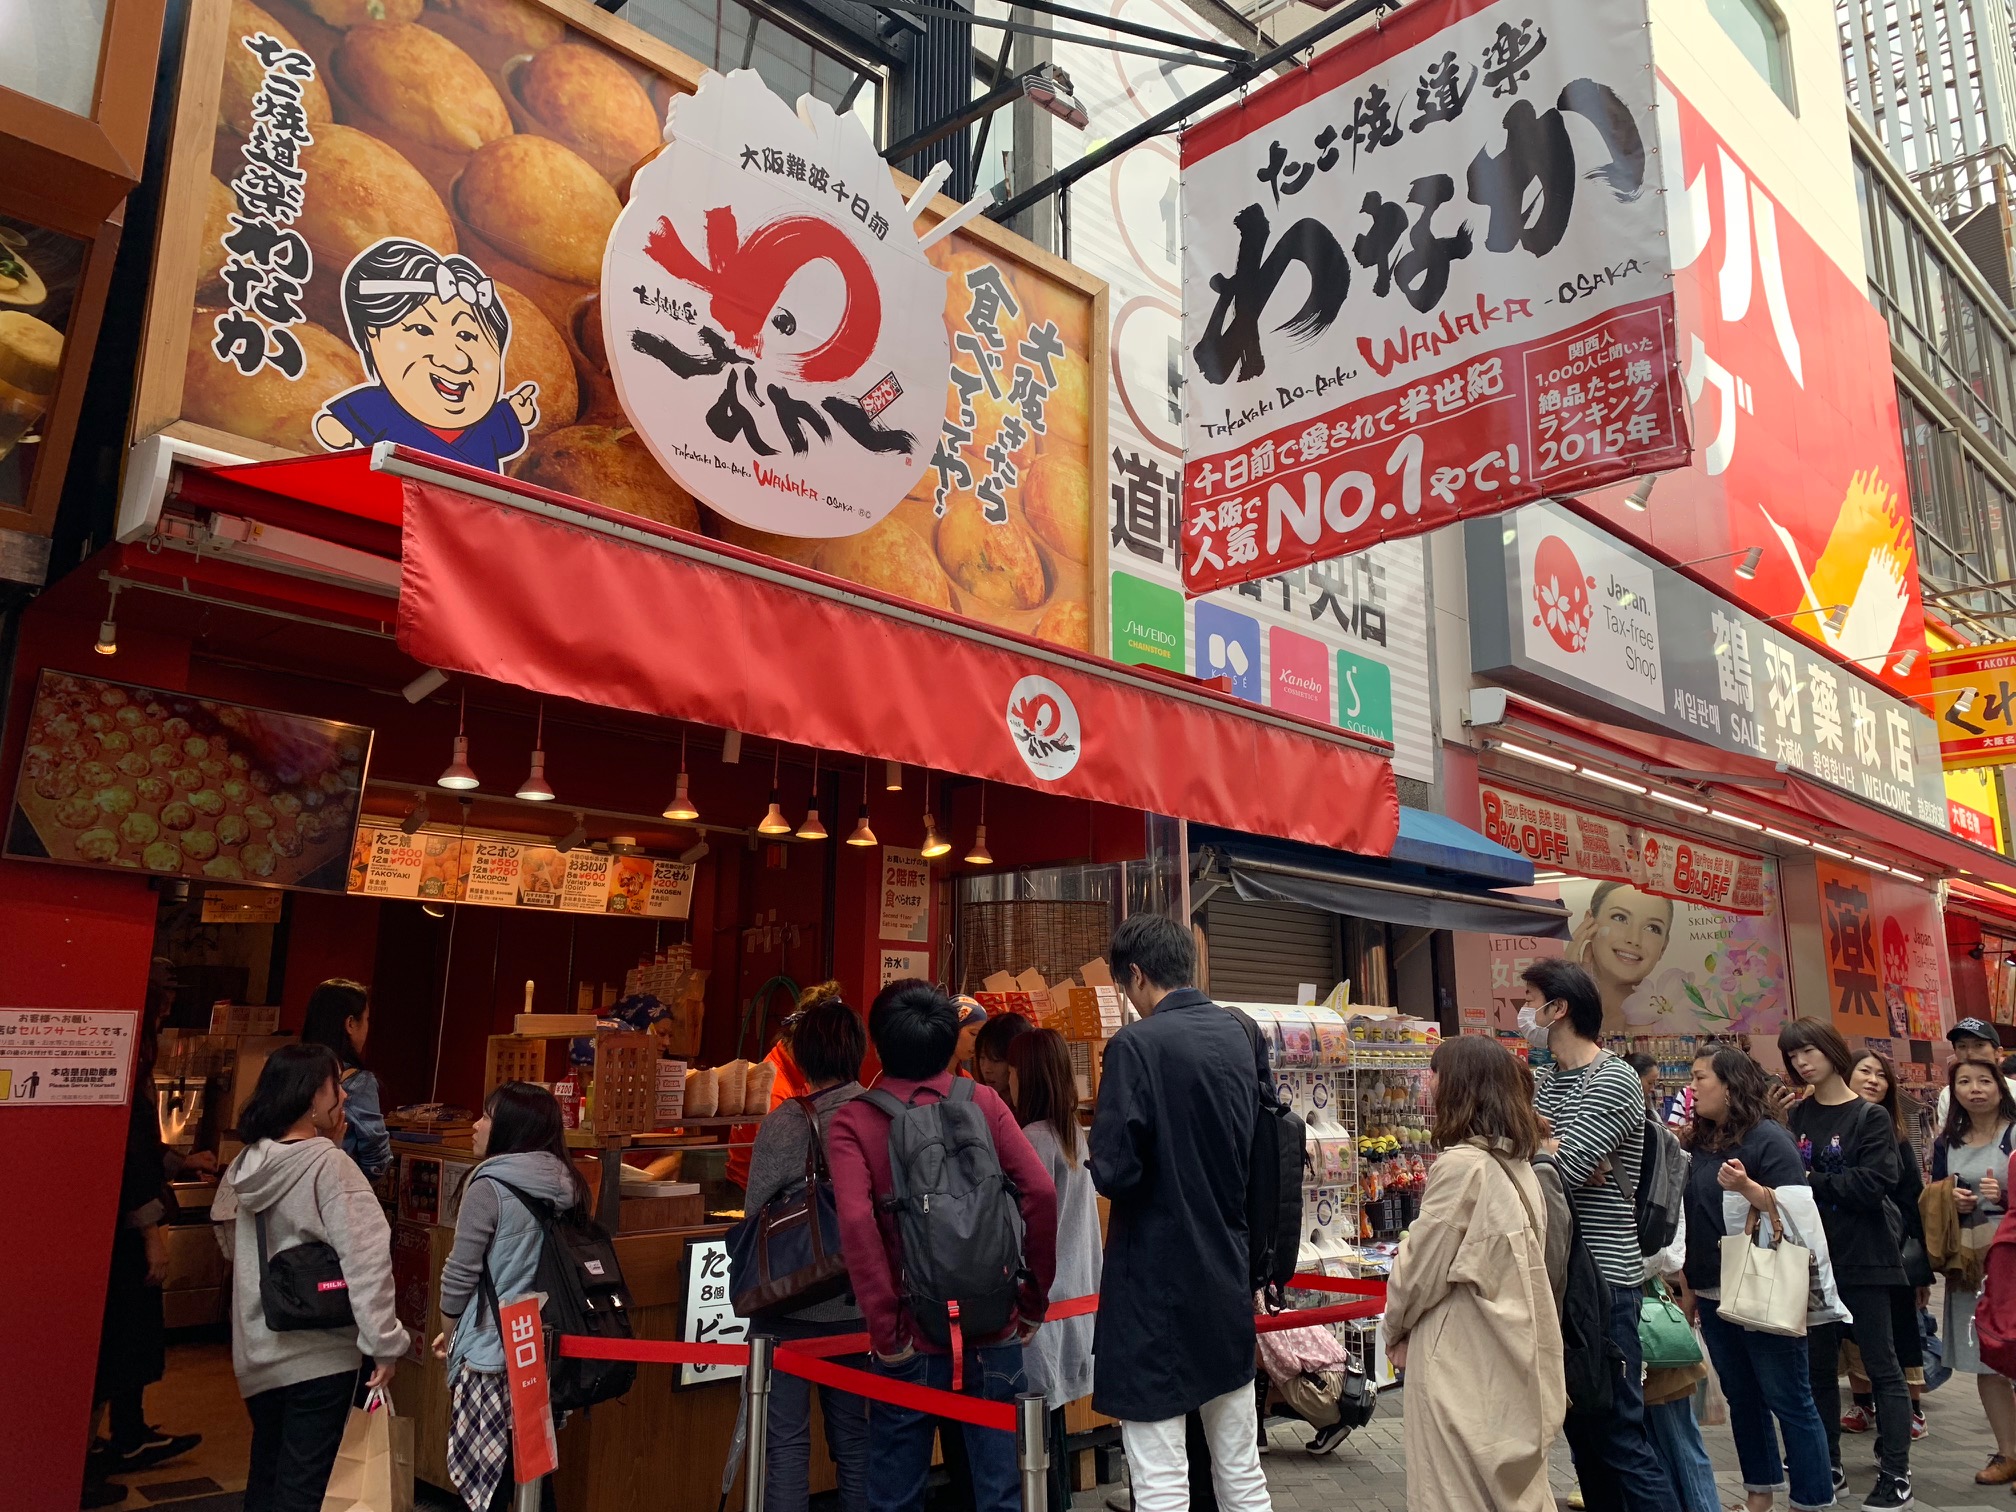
{"points": [[1630, 932]]}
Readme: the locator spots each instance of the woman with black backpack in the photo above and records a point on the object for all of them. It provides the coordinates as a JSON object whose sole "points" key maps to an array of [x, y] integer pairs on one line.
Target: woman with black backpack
{"points": [[311, 1289], [1849, 1147], [521, 1141]]}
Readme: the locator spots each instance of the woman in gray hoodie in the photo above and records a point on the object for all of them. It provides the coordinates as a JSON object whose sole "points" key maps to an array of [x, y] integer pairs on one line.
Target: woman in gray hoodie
{"points": [[294, 1180], [522, 1142]]}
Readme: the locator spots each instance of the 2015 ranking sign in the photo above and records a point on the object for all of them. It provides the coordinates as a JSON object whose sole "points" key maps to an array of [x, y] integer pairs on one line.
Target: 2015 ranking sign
{"points": [[1425, 277]]}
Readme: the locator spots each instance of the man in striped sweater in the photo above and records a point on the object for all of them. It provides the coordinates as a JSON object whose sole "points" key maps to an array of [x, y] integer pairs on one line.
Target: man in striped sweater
{"points": [[1595, 1107]]}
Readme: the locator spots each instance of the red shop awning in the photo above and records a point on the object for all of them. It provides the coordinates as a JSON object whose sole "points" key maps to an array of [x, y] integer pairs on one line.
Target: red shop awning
{"points": [[566, 598]]}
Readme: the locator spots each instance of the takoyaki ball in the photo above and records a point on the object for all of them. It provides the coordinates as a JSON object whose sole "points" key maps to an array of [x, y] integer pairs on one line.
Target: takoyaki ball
{"points": [[130, 717], [223, 869], [164, 757], [212, 768], [199, 845], [236, 790], [257, 860], [195, 747], [114, 742], [151, 789], [259, 816], [286, 805], [77, 812], [177, 816], [94, 722], [56, 785], [186, 779], [233, 830], [162, 856], [135, 764], [96, 774], [175, 729], [39, 760], [112, 697], [238, 762], [63, 727], [310, 827], [116, 802], [97, 845], [312, 798], [262, 782], [285, 842], [332, 783], [139, 829], [207, 801]]}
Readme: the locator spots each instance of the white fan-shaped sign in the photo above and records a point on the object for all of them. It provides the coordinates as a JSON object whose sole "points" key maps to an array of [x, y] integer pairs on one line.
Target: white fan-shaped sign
{"points": [[774, 330]]}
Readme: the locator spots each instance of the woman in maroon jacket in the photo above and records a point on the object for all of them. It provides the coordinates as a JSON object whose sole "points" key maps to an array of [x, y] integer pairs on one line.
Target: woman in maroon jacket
{"points": [[915, 1027]]}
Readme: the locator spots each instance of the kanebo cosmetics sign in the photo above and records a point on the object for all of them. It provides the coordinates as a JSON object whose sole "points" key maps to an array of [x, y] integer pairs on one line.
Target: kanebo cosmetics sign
{"points": [[761, 296]]}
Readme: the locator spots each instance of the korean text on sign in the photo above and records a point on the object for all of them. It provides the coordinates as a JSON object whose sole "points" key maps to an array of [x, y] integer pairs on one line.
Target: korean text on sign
{"points": [[1466, 211]]}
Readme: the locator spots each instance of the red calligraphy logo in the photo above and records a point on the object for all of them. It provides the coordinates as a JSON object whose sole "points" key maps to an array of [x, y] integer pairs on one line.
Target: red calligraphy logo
{"points": [[746, 279]]}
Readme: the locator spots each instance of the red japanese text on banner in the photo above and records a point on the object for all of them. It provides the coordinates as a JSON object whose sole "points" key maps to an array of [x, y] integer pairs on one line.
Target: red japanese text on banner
{"points": [[1559, 835], [1424, 278], [535, 1453]]}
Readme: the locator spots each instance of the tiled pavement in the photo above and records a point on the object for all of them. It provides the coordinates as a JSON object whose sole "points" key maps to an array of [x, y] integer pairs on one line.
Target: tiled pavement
{"points": [[1367, 1472]]}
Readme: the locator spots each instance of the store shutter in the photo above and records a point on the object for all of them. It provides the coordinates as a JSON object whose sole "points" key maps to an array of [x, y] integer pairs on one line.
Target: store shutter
{"points": [[1261, 952]]}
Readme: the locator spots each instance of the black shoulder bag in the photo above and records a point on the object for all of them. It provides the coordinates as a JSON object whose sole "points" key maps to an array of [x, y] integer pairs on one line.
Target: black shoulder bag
{"points": [[302, 1287]]}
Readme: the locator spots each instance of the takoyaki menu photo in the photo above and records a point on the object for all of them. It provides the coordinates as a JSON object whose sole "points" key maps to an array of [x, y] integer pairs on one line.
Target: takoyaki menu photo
{"points": [[147, 780]]}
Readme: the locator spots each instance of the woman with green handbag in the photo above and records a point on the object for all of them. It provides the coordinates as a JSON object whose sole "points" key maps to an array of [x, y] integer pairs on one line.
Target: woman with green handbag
{"points": [[1673, 1368]]}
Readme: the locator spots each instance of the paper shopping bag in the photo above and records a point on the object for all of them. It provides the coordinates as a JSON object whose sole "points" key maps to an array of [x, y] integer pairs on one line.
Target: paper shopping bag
{"points": [[374, 1463]]}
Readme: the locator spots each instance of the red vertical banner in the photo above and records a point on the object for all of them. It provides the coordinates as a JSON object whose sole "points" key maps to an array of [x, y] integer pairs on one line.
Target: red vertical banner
{"points": [[533, 1450], [1855, 988]]}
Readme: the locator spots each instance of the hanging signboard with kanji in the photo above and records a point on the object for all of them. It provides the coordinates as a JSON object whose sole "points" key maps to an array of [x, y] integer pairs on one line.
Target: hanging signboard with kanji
{"points": [[1974, 699], [1425, 277]]}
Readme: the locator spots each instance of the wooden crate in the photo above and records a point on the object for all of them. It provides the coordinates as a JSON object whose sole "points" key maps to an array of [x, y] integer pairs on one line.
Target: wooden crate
{"points": [[626, 1084], [513, 1057]]}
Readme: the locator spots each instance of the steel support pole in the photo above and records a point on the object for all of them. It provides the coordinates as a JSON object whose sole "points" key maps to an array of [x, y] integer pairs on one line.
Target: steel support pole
{"points": [[754, 1467], [1032, 1452], [527, 1499]]}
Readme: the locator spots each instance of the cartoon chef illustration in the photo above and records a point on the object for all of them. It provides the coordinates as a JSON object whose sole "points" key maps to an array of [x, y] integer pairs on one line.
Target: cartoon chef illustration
{"points": [[432, 331]]}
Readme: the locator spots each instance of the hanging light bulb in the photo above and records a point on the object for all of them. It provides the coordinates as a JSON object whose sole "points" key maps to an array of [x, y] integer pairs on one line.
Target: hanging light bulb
{"points": [[863, 834], [459, 775], [812, 829], [892, 776], [980, 855], [935, 844], [535, 789], [681, 806], [774, 822], [108, 628]]}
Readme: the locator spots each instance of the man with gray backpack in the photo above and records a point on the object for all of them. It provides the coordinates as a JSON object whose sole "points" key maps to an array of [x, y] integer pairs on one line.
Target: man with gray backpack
{"points": [[948, 1220]]}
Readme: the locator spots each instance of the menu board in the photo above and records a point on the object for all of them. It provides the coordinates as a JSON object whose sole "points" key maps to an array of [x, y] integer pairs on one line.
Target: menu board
{"points": [[387, 863], [143, 779]]}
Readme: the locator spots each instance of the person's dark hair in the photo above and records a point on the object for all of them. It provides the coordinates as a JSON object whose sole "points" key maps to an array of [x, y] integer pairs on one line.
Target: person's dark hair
{"points": [[996, 1035], [524, 1118], [1560, 980], [1812, 1034], [1640, 1062], [1888, 1102], [1749, 1093], [331, 1006], [1045, 1090], [2009, 1064], [290, 1081], [1483, 1090], [1165, 951], [399, 261], [1958, 1119], [915, 1028], [829, 1042]]}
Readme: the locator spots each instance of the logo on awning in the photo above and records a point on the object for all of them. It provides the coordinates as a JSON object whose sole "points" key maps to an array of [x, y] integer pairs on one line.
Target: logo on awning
{"points": [[1044, 723]]}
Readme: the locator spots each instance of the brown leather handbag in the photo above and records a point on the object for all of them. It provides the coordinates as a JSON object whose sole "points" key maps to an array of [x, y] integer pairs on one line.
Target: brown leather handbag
{"points": [[786, 1255]]}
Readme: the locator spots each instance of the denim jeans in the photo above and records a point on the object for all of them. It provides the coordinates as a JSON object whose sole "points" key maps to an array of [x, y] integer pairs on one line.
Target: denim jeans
{"points": [[1874, 1334], [296, 1431], [901, 1461], [1676, 1439], [1764, 1377], [788, 1473], [1614, 1459]]}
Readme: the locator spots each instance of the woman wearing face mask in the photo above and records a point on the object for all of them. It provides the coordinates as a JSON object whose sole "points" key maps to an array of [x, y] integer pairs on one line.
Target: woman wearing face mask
{"points": [[1875, 1080], [1739, 1147], [1621, 942], [1973, 1148], [522, 1143], [292, 1185], [1850, 1151]]}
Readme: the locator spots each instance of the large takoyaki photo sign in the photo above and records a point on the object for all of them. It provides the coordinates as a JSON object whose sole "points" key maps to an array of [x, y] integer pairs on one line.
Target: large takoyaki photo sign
{"points": [[526, 236]]}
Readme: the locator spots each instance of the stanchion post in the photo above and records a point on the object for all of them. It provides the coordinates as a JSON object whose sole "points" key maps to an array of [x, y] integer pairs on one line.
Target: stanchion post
{"points": [[1032, 1451], [759, 1423], [527, 1499]]}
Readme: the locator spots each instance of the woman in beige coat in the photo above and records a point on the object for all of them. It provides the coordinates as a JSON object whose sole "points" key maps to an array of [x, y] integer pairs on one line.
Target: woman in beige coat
{"points": [[1469, 1313]]}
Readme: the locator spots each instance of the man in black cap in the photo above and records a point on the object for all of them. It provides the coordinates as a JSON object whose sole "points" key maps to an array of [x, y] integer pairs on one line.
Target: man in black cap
{"points": [[1972, 1039]]}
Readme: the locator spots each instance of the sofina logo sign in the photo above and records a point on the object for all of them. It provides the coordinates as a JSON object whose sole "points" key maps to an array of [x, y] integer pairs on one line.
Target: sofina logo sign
{"points": [[1364, 695], [1587, 607], [1044, 725]]}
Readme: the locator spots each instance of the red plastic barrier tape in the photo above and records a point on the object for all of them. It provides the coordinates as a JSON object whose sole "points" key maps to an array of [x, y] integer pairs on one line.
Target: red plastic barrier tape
{"points": [[1357, 1286], [1306, 1317], [653, 1351], [945, 1404]]}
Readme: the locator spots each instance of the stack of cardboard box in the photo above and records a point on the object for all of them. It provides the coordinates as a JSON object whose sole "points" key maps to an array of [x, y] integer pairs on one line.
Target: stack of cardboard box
{"points": [[1087, 1013]]}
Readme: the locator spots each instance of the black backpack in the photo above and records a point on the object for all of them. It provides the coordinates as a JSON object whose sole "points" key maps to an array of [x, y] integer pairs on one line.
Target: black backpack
{"points": [[585, 1294], [1590, 1359], [1662, 1187], [956, 1214], [1276, 1163]]}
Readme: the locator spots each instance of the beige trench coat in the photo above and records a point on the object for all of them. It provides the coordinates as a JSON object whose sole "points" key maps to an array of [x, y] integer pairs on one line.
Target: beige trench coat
{"points": [[1469, 1293]]}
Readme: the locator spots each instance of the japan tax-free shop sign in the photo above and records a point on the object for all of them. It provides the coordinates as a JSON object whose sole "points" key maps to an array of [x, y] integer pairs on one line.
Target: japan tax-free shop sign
{"points": [[1425, 277]]}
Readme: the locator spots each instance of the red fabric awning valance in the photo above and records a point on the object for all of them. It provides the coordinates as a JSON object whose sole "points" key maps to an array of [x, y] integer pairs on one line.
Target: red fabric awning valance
{"points": [[566, 598]]}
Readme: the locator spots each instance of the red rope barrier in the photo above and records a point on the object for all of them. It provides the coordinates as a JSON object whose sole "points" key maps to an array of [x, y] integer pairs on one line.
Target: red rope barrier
{"points": [[956, 1405], [653, 1351]]}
